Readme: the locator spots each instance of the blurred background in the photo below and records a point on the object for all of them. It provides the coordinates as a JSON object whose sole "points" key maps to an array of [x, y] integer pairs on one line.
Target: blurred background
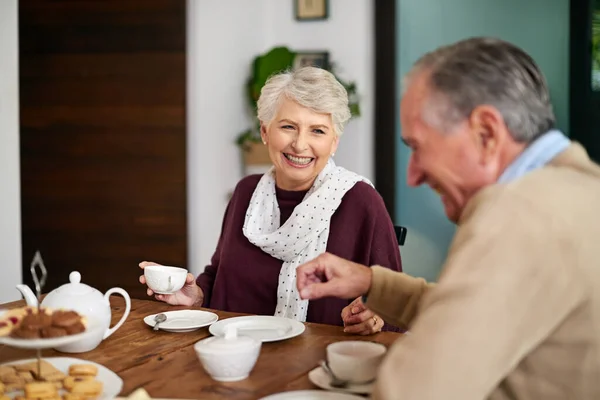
{"points": [[125, 125]]}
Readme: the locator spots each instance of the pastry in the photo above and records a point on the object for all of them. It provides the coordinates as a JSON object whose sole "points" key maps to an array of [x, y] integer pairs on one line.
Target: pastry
{"points": [[12, 379], [65, 318], [31, 323], [70, 381], [23, 332], [5, 370], [71, 396], [88, 388], [46, 369], [75, 328], [53, 331], [36, 321], [83, 370], [6, 327], [4, 397], [26, 376], [40, 390]]}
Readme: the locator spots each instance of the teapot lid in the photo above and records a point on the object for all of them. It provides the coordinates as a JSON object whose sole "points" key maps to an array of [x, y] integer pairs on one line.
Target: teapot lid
{"points": [[75, 287], [231, 342]]}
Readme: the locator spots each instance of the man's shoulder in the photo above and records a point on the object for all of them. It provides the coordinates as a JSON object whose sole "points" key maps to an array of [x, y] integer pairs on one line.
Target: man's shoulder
{"points": [[547, 193]]}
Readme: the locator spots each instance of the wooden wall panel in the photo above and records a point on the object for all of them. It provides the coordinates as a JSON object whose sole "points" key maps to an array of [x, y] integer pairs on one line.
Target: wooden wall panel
{"points": [[103, 158]]}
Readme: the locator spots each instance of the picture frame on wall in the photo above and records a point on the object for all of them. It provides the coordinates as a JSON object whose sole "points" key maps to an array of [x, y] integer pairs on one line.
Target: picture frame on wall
{"points": [[311, 10], [318, 59]]}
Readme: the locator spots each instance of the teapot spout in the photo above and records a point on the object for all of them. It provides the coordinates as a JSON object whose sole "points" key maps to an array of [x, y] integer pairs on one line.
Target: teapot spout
{"points": [[28, 295]]}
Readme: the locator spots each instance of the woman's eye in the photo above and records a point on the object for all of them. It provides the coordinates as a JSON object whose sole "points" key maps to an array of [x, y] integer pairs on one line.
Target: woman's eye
{"points": [[319, 131], [287, 127]]}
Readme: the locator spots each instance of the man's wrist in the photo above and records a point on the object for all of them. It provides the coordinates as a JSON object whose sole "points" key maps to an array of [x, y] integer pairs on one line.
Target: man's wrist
{"points": [[369, 280]]}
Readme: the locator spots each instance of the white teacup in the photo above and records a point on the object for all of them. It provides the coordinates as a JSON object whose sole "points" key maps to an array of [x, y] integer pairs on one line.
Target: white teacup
{"points": [[354, 360], [164, 279]]}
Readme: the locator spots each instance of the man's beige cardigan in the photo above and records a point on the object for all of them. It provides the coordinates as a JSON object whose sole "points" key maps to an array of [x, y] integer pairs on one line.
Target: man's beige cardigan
{"points": [[516, 311]]}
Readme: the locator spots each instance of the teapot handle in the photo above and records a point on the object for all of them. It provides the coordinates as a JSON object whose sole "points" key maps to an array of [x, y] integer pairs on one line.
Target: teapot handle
{"points": [[125, 314]]}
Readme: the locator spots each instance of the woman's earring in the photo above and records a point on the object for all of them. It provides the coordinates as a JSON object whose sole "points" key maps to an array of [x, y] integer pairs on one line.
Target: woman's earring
{"points": [[332, 154], [264, 142]]}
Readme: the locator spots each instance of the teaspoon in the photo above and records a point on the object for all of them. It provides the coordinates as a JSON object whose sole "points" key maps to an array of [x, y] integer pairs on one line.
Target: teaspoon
{"points": [[334, 381], [158, 319]]}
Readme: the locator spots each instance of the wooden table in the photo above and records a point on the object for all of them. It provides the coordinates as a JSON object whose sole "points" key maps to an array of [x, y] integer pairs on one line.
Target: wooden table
{"points": [[165, 364]]}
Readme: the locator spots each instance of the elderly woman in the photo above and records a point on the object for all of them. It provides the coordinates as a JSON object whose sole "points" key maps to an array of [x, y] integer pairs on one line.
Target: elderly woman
{"points": [[304, 206]]}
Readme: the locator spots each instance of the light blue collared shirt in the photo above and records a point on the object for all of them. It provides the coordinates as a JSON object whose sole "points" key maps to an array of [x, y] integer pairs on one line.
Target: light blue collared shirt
{"points": [[536, 155]]}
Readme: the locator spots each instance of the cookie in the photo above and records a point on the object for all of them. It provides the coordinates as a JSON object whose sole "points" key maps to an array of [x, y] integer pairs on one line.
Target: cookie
{"points": [[36, 321], [1, 388], [54, 377], [75, 328], [4, 397], [88, 388], [64, 319], [26, 376], [6, 370], [40, 390], [30, 366], [6, 327], [70, 381], [46, 370], [83, 370], [23, 332], [11, 387], [53, 332], [71, 396], [13, 378]]}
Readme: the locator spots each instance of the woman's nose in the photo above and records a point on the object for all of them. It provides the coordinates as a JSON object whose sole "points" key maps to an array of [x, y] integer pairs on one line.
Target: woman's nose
{"points": [[300, 143]]}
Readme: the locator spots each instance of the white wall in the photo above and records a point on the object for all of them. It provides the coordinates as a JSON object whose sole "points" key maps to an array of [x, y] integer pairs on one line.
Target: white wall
{"points": [[223, 38], [10, 200]]}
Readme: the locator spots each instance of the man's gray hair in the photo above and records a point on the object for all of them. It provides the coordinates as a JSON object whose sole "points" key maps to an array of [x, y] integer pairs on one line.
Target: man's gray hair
{"points": [[488, 71], [311, 87]]}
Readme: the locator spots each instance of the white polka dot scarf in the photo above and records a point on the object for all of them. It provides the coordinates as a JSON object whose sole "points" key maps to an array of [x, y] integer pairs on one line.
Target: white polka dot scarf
{"points": [[303, 236]]}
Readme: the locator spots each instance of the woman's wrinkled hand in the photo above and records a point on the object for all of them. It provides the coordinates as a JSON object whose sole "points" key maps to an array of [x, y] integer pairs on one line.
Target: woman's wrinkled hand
{"points": [[360, 320], [189, 295]]}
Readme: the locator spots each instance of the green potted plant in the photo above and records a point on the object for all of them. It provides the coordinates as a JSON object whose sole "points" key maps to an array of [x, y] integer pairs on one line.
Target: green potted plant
{"points": [[276, 60]]}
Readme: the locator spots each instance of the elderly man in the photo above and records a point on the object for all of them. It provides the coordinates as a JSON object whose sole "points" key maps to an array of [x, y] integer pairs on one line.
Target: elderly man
{"points": [[516, 311]]}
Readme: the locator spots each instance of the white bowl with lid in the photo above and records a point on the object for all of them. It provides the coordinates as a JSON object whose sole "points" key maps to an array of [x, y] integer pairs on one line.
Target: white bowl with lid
{"points": [[229, 358]]}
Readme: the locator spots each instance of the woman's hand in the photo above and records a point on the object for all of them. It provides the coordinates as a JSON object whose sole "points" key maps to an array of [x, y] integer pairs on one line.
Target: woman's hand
{"points": [[360, 320], [189, 295]]}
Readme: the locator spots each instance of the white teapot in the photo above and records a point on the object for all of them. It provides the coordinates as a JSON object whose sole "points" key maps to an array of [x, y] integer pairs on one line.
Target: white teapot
{"points": [[87, 301]]}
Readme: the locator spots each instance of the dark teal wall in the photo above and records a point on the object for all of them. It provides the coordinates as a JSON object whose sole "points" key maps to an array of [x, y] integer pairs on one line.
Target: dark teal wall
{"points": [[541, 27]]}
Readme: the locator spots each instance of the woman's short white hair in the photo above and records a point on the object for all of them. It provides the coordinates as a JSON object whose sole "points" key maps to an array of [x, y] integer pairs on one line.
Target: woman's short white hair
{"points": [[311, 87]]}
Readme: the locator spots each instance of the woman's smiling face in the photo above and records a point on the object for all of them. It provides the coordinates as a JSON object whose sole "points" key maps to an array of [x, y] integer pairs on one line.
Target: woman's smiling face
{"points": [[300, 142]]}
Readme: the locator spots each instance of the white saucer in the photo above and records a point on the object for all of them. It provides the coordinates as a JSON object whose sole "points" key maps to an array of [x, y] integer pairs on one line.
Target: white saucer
{"points": [[111, 382], [265, 328], [183, 320], [48, 343], [311, 395], [319, 377]]}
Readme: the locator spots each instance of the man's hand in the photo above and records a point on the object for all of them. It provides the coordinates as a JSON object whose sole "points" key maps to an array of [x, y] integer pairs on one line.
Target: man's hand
{"points": [[329, 275]]}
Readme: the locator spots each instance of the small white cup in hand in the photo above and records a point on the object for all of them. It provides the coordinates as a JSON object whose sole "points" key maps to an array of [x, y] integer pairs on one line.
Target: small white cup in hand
{"points": [[164, 279]]}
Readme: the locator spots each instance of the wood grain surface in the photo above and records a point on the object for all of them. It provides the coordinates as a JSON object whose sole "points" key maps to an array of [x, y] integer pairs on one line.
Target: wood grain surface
{"points": [[166, 366]]}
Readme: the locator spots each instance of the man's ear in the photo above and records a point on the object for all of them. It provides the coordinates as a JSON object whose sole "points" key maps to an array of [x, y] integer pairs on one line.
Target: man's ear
{"points": [[487, 127]]}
